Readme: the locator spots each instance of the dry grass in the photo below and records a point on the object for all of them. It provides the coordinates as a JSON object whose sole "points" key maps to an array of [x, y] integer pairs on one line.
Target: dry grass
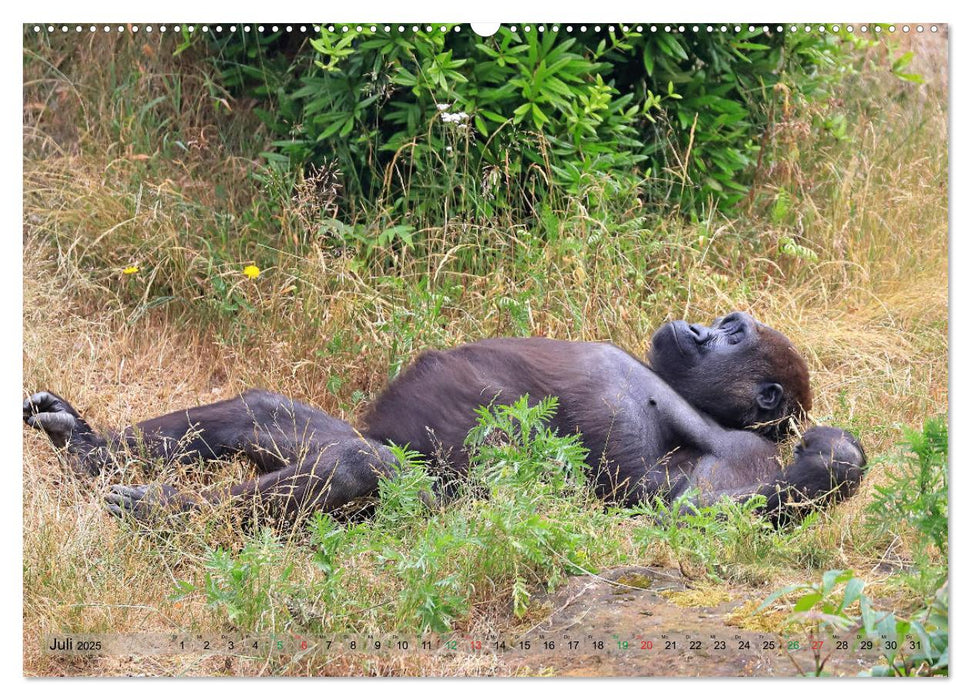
{"points": [[104, 188]]}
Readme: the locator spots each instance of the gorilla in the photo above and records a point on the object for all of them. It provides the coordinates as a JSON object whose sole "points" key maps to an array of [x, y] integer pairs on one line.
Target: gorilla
{"points": [[705, 414]]}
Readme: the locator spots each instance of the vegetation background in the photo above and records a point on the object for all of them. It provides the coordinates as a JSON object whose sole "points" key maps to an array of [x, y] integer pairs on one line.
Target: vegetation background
{"points": [[205, 213]]}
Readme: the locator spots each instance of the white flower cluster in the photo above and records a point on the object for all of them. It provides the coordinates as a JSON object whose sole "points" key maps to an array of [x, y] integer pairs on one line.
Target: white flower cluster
{"points": [[452, 117]]}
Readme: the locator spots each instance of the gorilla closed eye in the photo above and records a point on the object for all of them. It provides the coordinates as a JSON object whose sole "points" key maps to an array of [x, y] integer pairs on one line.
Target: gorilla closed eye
{"points": [[736, 335]]}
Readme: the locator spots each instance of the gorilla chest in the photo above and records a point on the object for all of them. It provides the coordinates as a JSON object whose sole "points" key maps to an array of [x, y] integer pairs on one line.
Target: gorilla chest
{"points": [[624, 413]]}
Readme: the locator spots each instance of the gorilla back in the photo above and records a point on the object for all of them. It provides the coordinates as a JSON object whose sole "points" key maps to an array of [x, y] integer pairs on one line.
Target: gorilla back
{"points": [[704, 414]]}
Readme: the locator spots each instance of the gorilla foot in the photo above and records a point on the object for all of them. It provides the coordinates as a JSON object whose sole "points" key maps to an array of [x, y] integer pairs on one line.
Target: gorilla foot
{"points": [[52, 414], [145, 503], [66, 429]]}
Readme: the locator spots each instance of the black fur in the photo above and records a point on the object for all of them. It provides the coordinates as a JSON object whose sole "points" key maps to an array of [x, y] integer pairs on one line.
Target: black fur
{"points": [[704, 414]]}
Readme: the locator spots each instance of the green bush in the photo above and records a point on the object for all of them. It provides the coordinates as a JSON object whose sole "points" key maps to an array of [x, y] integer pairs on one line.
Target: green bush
{"points": [[916, 498], [514, 526], [248, 586], [428, 126], [911, 646], [514, 447]]}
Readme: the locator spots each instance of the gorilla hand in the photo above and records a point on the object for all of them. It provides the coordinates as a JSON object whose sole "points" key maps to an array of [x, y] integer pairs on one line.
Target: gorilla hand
{"points": [[833, 452], [828, 467], [146, 503]]}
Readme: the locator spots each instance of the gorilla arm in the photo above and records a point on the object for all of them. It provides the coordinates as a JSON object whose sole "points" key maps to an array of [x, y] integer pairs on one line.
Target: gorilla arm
{"points": [[661, 445], [827, 467]]}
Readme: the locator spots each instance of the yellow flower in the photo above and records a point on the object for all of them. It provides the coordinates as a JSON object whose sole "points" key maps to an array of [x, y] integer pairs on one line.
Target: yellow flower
{"points": [[130, 270], [251, 271]]}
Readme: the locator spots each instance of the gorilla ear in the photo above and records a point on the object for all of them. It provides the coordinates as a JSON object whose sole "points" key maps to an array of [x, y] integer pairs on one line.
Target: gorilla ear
{"points": [[769, 397]]}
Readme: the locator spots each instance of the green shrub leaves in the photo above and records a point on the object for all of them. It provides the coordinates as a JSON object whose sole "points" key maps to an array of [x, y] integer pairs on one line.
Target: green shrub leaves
{"points": [[440, 123]]}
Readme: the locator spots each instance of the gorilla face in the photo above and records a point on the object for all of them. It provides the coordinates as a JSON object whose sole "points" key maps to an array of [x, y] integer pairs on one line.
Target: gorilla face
{"points": [[741, 372]]}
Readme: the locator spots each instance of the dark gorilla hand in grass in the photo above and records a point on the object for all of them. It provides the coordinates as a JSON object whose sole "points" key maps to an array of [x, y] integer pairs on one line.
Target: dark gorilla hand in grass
{"points": [[706, 413]]}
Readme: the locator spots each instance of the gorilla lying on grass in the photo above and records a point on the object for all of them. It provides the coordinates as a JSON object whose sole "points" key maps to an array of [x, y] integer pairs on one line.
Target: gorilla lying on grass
{"points": [[705, 413]]}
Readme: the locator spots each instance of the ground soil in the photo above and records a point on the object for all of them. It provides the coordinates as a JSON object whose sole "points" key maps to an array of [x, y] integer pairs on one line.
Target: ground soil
{"points": [[635, 604]]}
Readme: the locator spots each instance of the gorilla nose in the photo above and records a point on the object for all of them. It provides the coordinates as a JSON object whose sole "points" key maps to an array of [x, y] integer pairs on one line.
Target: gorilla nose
{"points": [[700, 334]]}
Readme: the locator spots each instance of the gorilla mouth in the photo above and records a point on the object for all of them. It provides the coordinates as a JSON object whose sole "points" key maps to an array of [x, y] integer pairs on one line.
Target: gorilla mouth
{"points": [[667, 347], [676, 330]]}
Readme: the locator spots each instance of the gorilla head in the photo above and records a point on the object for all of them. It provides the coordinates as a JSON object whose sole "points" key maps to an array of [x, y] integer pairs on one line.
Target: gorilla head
{"points": [[740, 372]]}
